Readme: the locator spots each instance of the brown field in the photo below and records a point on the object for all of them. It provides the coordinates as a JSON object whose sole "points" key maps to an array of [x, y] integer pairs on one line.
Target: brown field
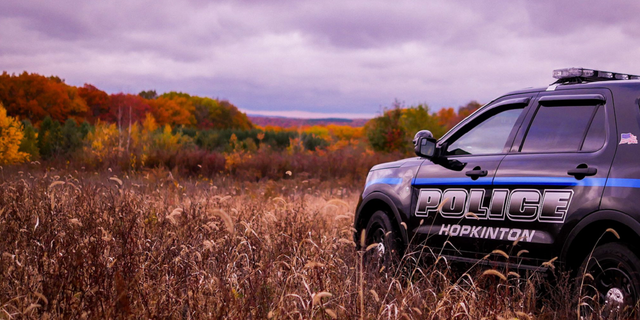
{"points": [[152, 245]]}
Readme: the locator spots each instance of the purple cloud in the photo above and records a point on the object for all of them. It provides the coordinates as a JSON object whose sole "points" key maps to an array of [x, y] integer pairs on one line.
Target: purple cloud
{"points": [[317, 56]]}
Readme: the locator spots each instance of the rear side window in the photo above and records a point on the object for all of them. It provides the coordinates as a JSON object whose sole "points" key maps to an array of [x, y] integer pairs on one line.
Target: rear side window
{"points": [[597, 133], [566, 129]]}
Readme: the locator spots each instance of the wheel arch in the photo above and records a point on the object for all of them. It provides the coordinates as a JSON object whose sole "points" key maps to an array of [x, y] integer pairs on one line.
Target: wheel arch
{"points": [[585, 235], [370, 204]]}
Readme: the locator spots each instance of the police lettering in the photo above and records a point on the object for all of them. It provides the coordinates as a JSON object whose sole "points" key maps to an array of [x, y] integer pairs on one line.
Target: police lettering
{"points": [[524, 205]]}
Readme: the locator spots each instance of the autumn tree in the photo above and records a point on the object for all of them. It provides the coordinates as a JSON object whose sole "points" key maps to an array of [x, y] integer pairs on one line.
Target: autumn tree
{"points": [[394, 130], [32, 96], [465, 111], [11, 134], [448, 117], [173, 111], [214, 114], [385, 133], [98, 102], [227, 113], [126, 109]]}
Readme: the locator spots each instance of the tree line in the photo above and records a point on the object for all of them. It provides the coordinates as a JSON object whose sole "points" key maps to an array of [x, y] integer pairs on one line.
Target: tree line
{"points": [[34, 97], [43, 118]]}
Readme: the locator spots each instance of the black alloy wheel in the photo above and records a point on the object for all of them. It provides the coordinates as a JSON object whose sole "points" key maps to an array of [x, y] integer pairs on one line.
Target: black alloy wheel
{"points": [[615, 282], [380, 230]]}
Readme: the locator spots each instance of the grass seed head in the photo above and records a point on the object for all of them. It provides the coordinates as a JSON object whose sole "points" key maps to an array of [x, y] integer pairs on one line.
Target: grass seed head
{"points": [[228, 222], [615, 233], [56, 183], [493, 272], [500, 252], [375, 295], [174, 215]]}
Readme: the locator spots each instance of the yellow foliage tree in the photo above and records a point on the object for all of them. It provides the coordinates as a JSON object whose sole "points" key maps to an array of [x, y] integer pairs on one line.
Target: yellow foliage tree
{"points": [[172, 142], [11, 134], [103, 142], [150, 125], [236, 155]]}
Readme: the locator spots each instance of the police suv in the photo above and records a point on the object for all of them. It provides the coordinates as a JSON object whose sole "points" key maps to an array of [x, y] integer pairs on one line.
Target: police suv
{"points": [[542, 174]]}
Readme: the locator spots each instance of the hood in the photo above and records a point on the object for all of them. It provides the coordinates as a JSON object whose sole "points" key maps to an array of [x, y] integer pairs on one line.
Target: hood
{"points": [[398, 164]]}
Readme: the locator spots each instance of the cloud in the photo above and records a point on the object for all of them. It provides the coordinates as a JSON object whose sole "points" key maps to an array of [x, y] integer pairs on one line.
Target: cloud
{"points": [[319, 56]]}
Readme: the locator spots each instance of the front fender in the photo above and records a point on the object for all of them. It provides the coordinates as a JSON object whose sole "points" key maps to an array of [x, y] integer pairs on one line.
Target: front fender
{"points": [[365, 208]]}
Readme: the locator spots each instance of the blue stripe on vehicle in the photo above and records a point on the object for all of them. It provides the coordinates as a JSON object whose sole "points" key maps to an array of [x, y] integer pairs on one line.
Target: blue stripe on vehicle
{"points": [[550, 181], [622, 182], [450, 181], [392, 181]]}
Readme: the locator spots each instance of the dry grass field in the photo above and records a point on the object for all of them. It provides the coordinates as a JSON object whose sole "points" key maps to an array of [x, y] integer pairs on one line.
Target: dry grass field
{"points": [[99, 245]]}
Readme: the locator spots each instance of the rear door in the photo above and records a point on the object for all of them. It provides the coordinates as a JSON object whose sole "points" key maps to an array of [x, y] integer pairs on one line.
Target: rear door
{"points": [[556, 170]]}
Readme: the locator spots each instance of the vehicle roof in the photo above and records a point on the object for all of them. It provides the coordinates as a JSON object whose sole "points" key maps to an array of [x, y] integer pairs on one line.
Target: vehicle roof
{"points": [[584, 85]]}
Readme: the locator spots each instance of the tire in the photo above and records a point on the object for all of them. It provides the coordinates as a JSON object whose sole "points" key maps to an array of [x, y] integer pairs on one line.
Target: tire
{"points": [[616, 280], [380, 230]]}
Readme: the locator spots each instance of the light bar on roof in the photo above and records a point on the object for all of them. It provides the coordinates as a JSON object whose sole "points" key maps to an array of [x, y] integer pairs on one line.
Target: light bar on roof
{"points": [[591, 74], [572, 73]]}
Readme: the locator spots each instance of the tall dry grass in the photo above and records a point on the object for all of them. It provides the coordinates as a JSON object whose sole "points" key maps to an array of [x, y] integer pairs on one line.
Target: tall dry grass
{"points": [[89, 245]]}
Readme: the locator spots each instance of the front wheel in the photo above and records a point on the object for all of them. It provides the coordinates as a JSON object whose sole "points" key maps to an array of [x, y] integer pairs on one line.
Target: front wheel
{"points": [[614, 280], [380, 230]]}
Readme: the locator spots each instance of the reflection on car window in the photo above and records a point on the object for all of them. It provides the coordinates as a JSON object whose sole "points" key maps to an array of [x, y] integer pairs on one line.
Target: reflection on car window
{"points": [[561, 129], [488, 137], [597, 132]]}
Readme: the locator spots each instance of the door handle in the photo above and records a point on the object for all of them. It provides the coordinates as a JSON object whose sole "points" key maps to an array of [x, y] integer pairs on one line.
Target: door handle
{"points": [[582, 171], [476, 173]]}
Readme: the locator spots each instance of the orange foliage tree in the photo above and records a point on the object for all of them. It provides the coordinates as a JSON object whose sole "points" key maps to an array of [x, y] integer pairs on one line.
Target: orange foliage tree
{"points": [[213, 114], [32, 96], [448, 117], [173, 111]]}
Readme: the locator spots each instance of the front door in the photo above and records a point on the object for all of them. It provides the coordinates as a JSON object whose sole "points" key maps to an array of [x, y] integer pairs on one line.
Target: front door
{"points": [[446, 191]]}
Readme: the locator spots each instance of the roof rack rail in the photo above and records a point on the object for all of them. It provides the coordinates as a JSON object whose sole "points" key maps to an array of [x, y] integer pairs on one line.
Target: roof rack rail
{"points": [[579, 75]]}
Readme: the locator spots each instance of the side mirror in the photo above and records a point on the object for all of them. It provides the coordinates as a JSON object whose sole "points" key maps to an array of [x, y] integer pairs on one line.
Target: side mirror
{"points": [[424, 144]]}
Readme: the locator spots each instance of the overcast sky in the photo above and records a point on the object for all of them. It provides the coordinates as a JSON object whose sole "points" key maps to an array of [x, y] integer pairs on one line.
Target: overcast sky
{"points": [[349, 57]]}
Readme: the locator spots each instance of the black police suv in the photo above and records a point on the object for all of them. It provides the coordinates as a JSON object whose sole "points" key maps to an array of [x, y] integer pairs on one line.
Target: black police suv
{"points": [[542, 173]]}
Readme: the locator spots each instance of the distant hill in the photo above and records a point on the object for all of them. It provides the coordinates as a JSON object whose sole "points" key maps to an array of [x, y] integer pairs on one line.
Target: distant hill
{"points": [[298, 122]]}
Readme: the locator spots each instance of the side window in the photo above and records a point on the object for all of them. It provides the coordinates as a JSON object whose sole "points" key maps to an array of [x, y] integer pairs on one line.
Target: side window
{"points": [[597, 132], [488, 137], [562, 128]]}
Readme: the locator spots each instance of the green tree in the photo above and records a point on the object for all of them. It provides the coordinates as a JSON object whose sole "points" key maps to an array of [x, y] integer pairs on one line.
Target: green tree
{"points": [[29, 143], [311, 141], [418, 118], [49, 138], [149, 95], [85, 128], [71, 137]]}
